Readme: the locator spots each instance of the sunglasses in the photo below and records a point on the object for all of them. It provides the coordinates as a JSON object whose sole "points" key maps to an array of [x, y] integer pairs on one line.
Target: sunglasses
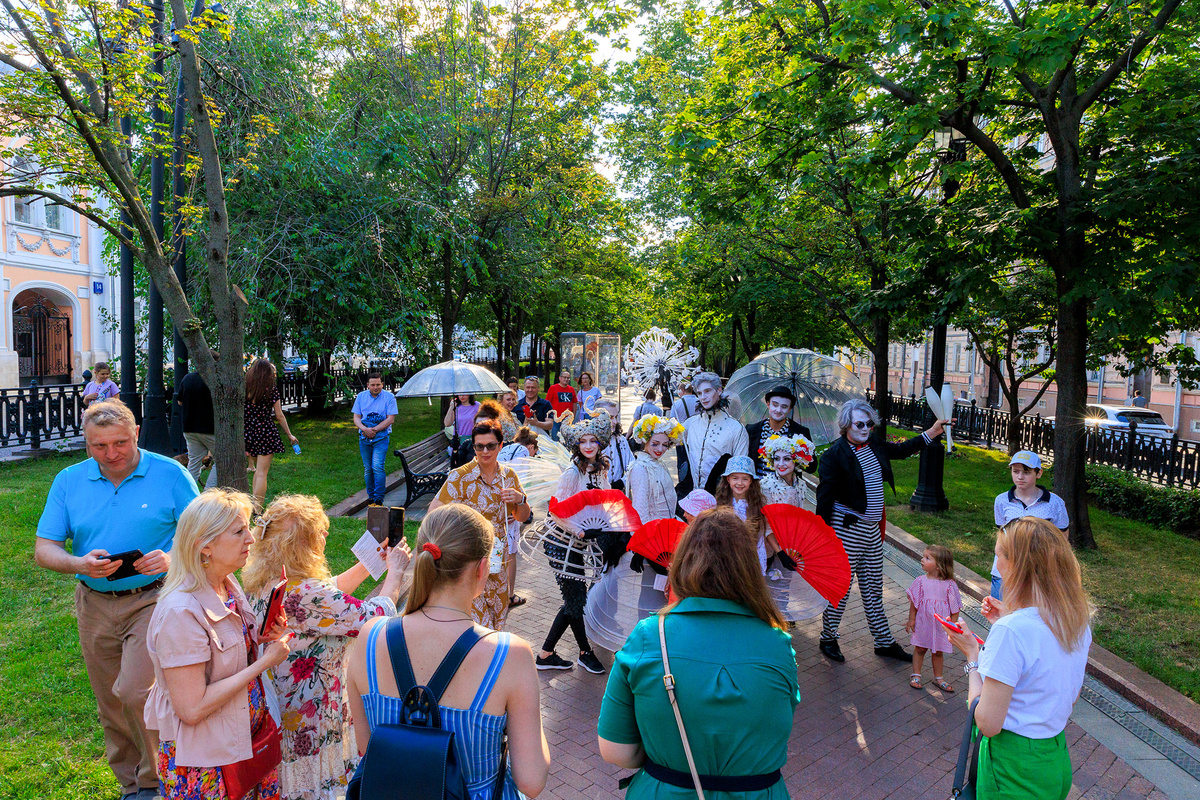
{"points": [[486, 448], [868, 424]]}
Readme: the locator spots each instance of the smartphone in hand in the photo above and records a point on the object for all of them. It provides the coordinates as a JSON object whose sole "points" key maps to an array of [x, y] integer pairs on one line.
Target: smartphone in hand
{"points": [[953, 627], [127, 559]]}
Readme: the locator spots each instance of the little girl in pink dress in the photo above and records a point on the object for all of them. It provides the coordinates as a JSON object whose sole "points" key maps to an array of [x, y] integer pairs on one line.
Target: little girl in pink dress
{"points": [[935, 592]]}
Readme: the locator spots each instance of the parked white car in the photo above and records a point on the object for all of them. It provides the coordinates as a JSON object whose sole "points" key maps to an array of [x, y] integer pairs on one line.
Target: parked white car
{"points": [[1117, 418]]}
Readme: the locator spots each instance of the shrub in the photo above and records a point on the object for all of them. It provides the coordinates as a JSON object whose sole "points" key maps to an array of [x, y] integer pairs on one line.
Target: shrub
{"points": [[1127, 496]]}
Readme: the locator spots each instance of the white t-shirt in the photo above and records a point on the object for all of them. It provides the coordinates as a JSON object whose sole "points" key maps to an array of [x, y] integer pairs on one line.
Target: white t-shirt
{"points": [[1021, 652]]}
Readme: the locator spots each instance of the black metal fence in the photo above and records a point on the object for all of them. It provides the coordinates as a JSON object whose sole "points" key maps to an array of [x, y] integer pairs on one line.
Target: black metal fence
{"points": [[1168, 461], [32, 415]]}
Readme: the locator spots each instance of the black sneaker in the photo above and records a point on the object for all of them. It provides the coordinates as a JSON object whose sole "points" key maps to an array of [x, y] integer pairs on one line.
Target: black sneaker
{"points": [[592, 664], [553, 661], [893, 650], [830, 648]]}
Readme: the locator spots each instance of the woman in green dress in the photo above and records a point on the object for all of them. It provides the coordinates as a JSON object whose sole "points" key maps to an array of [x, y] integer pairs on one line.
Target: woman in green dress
{"points": [[735, 677]]}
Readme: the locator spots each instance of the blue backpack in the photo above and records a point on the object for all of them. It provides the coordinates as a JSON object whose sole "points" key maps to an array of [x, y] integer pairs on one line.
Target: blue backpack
{"points": [[416, 759]]}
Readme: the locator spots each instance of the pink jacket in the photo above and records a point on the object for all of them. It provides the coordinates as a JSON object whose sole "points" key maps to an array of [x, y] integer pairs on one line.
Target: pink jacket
{"points": [[195, 627]]}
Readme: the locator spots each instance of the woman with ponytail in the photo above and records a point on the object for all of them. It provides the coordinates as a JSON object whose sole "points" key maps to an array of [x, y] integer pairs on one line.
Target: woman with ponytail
{"points": [[495, 689]]}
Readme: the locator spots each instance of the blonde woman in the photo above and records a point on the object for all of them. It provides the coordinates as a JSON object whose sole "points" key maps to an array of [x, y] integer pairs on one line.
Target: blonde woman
{"points": [[1030, 673], [318, 749], [495, 688], [208, 699]]}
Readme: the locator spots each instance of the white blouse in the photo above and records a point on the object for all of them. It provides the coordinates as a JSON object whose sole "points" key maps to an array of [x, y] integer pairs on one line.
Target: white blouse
{"points": [[573, 482], [776, 490], [650, 488]]}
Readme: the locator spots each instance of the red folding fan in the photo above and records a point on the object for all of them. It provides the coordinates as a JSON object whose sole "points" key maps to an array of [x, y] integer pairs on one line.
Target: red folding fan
{"points": [[596, 509], [656, 540], [818, 553]]}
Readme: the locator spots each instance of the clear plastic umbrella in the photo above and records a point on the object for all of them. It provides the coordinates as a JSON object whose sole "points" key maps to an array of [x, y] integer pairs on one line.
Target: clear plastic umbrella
{"points": [[821, 384], [451, 378]]}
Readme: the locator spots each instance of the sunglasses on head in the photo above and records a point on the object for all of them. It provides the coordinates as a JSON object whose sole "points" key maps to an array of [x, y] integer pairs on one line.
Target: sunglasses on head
{"points": [[486, 448], [860, 424]]}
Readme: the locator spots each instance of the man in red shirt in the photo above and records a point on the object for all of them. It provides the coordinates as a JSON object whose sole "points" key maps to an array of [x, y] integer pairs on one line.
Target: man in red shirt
{"points": [[563, 399]]}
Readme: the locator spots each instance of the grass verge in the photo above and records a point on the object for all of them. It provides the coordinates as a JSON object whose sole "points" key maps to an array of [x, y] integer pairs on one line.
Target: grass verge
{"points": [[1144, 581], [51, 747]]}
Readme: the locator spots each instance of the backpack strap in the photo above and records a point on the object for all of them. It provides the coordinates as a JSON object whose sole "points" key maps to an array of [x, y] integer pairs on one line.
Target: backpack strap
{"points": [[453, 660], [398, 655]]}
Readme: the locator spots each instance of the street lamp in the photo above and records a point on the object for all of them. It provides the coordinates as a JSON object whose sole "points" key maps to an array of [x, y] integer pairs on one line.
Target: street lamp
{"points": [[930, 494]]}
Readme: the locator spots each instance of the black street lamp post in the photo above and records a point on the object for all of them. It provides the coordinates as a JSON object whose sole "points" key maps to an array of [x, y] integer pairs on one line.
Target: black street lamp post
{"points": [[129, 387], [930, 495], [180, 246]]}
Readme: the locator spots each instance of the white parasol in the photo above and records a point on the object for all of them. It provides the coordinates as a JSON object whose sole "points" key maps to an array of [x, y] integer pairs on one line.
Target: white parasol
{"points": [[450, 378], [821, 385]]}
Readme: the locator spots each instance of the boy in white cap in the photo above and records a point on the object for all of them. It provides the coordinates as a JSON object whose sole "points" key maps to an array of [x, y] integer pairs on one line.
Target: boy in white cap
{"points": [[1026, 499]]}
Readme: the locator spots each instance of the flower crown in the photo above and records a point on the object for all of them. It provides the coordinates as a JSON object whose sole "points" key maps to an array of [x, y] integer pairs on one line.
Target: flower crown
{"points": [[796, 446], [651, 425]]}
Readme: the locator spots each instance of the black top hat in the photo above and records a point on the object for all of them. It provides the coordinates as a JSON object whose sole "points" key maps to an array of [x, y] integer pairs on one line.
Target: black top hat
{"points": [[780, 391]]}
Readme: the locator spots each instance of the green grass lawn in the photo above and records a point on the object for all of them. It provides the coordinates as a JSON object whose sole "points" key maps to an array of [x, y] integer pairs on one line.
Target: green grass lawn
{"points": [[50, 742], [1144, 581]]}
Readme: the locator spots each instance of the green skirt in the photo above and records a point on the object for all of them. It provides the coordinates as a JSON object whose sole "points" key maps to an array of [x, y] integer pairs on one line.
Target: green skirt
{"points": [[1015, 767]]}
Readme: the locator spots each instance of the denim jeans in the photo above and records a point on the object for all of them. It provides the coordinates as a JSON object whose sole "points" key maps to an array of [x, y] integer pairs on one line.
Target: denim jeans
{"points": [[996, 587], [373, 452]]}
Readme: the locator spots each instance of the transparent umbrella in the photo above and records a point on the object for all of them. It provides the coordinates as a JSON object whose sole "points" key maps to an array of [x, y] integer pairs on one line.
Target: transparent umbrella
{"points": [[451, 378], [821, 384]]}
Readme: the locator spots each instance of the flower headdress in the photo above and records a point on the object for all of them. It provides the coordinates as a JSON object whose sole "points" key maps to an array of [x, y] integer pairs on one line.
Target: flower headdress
{"points": [[599, 426], [797, 446], [650, 425]]}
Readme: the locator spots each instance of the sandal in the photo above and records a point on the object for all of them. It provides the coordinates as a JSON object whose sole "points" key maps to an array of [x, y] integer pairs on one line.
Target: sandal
{"points": [[915, 681], [941, 684], [516, 600]]}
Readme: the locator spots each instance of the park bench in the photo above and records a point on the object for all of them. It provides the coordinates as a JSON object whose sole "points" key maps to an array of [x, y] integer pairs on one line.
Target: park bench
{"points": [[425, 466]]}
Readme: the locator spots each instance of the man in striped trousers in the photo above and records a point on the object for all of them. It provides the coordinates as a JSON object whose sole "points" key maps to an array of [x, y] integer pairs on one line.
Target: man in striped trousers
{"points": [[850, 498]]}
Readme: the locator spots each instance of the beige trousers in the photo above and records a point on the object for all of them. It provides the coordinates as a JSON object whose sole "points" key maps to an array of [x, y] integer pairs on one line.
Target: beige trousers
{"points": [[112, 635]]}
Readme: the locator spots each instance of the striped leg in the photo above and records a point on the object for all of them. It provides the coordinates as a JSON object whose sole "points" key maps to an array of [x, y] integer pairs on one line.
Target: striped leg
{"points": [[865, 552], [870, 586]]}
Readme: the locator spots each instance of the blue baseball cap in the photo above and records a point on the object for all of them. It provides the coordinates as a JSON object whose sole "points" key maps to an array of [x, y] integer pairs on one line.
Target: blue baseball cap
{"points": [[743, 464], [1026, 458]]}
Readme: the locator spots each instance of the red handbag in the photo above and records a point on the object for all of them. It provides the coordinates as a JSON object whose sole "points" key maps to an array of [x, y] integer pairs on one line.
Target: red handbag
{"points": [[266, 748]]}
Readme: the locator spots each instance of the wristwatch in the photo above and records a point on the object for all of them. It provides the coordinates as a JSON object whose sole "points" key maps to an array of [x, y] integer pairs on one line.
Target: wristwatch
{"points": [[970, 666]]}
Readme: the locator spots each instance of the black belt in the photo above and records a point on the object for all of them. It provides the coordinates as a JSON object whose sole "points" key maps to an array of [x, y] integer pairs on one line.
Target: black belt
{"points": [[128, 592], [713, 783]]}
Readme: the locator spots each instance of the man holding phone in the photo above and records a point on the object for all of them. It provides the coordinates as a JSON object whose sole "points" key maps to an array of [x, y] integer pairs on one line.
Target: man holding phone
{"points": [[123, 501]]}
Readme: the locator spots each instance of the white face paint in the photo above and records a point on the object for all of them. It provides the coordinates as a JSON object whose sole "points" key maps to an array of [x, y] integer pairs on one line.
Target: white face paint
{"points": [[779, 409], [785, 464], [709, 395], [860, 427], [589, 445]]}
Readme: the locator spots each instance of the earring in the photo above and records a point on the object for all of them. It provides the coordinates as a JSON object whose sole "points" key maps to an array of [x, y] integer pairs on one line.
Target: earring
{"points": [[205, 560]]}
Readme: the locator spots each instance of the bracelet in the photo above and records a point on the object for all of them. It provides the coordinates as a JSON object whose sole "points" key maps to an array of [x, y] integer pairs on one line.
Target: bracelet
{"points": [[970, 666]]}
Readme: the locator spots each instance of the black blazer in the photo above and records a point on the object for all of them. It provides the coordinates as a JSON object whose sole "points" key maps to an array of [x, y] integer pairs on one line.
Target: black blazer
{"points": [[841, 476], [755, 431]]}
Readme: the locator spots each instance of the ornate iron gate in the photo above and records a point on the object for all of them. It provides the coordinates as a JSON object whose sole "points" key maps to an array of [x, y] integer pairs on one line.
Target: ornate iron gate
{"points": [[43, 344]]}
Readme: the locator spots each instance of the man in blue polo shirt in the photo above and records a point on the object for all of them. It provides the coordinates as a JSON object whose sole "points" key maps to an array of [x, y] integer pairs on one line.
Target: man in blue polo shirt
{"points": [[121, 499]]}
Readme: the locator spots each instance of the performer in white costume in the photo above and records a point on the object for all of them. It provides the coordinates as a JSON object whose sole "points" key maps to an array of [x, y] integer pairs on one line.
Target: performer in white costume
{"points": [[784, 457], [711, 433]]}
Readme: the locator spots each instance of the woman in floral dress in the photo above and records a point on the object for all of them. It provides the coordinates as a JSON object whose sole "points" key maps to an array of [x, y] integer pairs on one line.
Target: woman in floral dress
{"points": [[492, 489], [318, 745]]}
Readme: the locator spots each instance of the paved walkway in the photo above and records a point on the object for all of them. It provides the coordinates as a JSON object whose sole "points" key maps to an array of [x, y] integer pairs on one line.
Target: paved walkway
{"points": [[860, 732]]}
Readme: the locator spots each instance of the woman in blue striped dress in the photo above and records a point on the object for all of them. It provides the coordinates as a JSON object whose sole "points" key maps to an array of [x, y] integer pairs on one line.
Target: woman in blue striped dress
{"points": [[496, 688]]}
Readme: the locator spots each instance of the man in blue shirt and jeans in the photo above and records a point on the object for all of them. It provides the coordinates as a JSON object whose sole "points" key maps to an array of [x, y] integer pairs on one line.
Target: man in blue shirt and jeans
{"points": [[120, 500], [374, 411]]}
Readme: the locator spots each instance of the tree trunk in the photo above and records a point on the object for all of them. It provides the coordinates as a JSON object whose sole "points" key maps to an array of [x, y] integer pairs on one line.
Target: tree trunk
{"points": [[1013, 431], [1070, 454], [447, 302], [881, 330]]}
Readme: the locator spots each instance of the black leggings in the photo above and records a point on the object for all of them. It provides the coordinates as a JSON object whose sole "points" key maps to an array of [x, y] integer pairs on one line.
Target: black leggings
{"points": [[559, 627]]}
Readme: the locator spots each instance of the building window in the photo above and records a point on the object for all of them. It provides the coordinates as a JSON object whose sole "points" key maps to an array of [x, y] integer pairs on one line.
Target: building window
{"points": [[55, 219], [23, 209], [1196, 426], [1041, 403]]}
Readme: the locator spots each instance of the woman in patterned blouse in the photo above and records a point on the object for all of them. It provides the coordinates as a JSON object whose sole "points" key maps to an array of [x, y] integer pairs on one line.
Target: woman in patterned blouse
{"points": [[318, 743]]}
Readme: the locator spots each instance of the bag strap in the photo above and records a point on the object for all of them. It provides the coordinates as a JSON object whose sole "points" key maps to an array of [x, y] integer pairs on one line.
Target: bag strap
{"points": [[402, 665], [669, 682], [963, 779]]}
